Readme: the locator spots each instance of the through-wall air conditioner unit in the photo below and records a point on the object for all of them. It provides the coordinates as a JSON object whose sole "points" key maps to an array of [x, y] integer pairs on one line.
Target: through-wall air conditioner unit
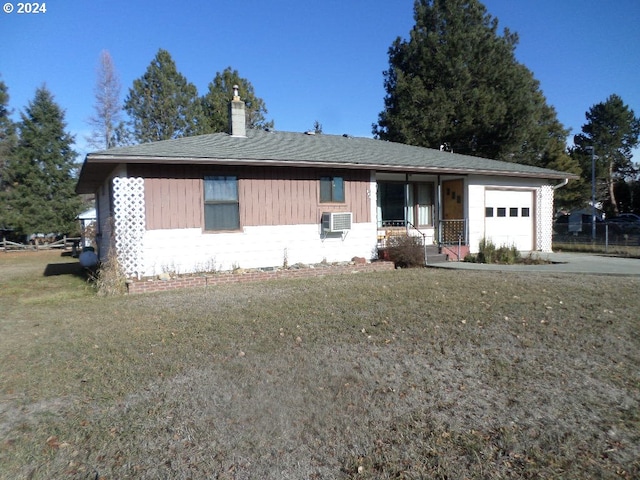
{"points": [[333, 222]]}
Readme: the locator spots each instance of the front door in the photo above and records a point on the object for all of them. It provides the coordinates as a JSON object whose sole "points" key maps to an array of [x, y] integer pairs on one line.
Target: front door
{"points": [[452, 210]]}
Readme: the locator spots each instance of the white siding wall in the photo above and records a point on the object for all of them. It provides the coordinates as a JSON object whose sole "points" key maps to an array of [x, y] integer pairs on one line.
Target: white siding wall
{"points": [[190, 250], [476, 214]]}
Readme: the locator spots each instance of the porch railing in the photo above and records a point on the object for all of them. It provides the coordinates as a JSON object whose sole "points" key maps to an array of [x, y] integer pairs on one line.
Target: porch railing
{"points": [[402, 228], [454, 235], [424, 240], [393, 223], [453, 232]]}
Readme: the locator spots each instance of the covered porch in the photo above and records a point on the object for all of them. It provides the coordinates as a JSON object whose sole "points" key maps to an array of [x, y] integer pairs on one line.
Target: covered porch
{"points": [[429, 207]]}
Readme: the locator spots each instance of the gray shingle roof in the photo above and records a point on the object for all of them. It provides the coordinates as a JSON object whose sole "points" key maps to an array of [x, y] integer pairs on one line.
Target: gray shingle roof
{"points": [[298, 149]]}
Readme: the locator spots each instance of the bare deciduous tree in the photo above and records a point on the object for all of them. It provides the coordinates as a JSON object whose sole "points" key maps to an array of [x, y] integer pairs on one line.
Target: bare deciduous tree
{"points": [[106, 121]]}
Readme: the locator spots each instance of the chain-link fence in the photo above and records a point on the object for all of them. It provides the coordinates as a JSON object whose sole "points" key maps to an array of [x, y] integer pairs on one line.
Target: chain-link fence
{"points": [[609, 237]]}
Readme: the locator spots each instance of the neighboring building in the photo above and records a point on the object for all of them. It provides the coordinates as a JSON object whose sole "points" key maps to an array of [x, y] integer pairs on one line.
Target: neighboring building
{"points": [[257, 198], [87, 226]]}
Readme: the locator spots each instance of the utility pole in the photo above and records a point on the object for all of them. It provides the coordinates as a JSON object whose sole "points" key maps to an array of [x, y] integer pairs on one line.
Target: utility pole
{"points": [[593, 193]]}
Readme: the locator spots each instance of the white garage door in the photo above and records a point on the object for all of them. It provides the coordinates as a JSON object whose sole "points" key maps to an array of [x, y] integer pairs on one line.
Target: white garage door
{"points": [[509, 218]]}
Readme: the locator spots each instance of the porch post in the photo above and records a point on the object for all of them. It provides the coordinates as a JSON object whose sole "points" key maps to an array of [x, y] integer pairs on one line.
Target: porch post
{"points": [[406, 203], [438, 212]]}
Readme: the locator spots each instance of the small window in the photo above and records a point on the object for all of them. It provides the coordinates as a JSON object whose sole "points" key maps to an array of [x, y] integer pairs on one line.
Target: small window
{"points": [[221, 208], [331, 190], [502, 212], [488, 212], [513, 212], [525, 212]]}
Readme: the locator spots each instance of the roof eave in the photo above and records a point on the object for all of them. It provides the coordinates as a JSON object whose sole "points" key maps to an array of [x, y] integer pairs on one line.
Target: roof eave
{"points": [[115, 160]]}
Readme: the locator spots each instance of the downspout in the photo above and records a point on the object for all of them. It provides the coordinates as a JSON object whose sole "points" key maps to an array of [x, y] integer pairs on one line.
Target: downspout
{"points": [[560, 185]]}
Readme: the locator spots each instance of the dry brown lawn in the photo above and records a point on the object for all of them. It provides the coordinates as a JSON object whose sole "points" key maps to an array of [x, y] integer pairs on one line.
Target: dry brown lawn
{"points": [[405, 374]]}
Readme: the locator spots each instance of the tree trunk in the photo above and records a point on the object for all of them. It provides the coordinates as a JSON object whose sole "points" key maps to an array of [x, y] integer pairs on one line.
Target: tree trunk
{"points": [[612, 194]]}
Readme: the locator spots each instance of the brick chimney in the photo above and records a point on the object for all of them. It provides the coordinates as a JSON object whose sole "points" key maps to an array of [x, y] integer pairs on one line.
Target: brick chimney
{"points": [[237, 126]]}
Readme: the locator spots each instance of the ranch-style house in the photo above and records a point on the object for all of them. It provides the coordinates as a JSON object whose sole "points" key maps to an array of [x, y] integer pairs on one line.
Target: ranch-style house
{"points": [[254, 198]]}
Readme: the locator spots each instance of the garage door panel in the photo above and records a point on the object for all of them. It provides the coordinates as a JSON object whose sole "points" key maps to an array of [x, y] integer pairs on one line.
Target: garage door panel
{"points": [[509, 218]]}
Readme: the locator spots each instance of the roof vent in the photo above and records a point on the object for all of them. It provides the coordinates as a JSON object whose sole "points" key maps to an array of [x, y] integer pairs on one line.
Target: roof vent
{"points": [[446, 147]]}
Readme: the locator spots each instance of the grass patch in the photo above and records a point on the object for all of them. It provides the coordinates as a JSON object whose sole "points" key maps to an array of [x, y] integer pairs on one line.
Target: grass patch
{"points": [[418, 373], [630, 251]]}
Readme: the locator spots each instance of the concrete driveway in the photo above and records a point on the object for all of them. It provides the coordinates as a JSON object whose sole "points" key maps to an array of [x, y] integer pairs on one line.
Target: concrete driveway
{"points": [[583, 263]]}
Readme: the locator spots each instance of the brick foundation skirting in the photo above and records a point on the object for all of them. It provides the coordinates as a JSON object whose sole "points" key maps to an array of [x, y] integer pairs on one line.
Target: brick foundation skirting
{"points": [[454, 253], [212, 279]]}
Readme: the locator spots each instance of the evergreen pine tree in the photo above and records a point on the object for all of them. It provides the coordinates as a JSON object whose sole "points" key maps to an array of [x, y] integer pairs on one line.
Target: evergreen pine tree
{"points": [[7, 130], [571, 195], [7, 146], [216, 102], [162, 104], [40, 184], [613, 130], [456, 81]]}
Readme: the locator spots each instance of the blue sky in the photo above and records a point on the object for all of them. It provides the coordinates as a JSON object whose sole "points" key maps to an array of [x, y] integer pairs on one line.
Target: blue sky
{"points": [[308, 60]]}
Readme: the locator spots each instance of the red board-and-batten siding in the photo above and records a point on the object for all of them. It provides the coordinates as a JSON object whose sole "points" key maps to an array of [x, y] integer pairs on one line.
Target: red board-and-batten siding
{"points": [[267, 195]]}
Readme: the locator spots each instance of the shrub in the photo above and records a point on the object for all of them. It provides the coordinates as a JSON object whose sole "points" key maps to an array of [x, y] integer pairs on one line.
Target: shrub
{"points": [[406, 251], [110, 278], [507, 255], [488, 253]]}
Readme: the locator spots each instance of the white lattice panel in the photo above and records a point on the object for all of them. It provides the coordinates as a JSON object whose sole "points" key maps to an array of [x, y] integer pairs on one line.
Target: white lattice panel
{"points": [[129, 216], [545, 218]]}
